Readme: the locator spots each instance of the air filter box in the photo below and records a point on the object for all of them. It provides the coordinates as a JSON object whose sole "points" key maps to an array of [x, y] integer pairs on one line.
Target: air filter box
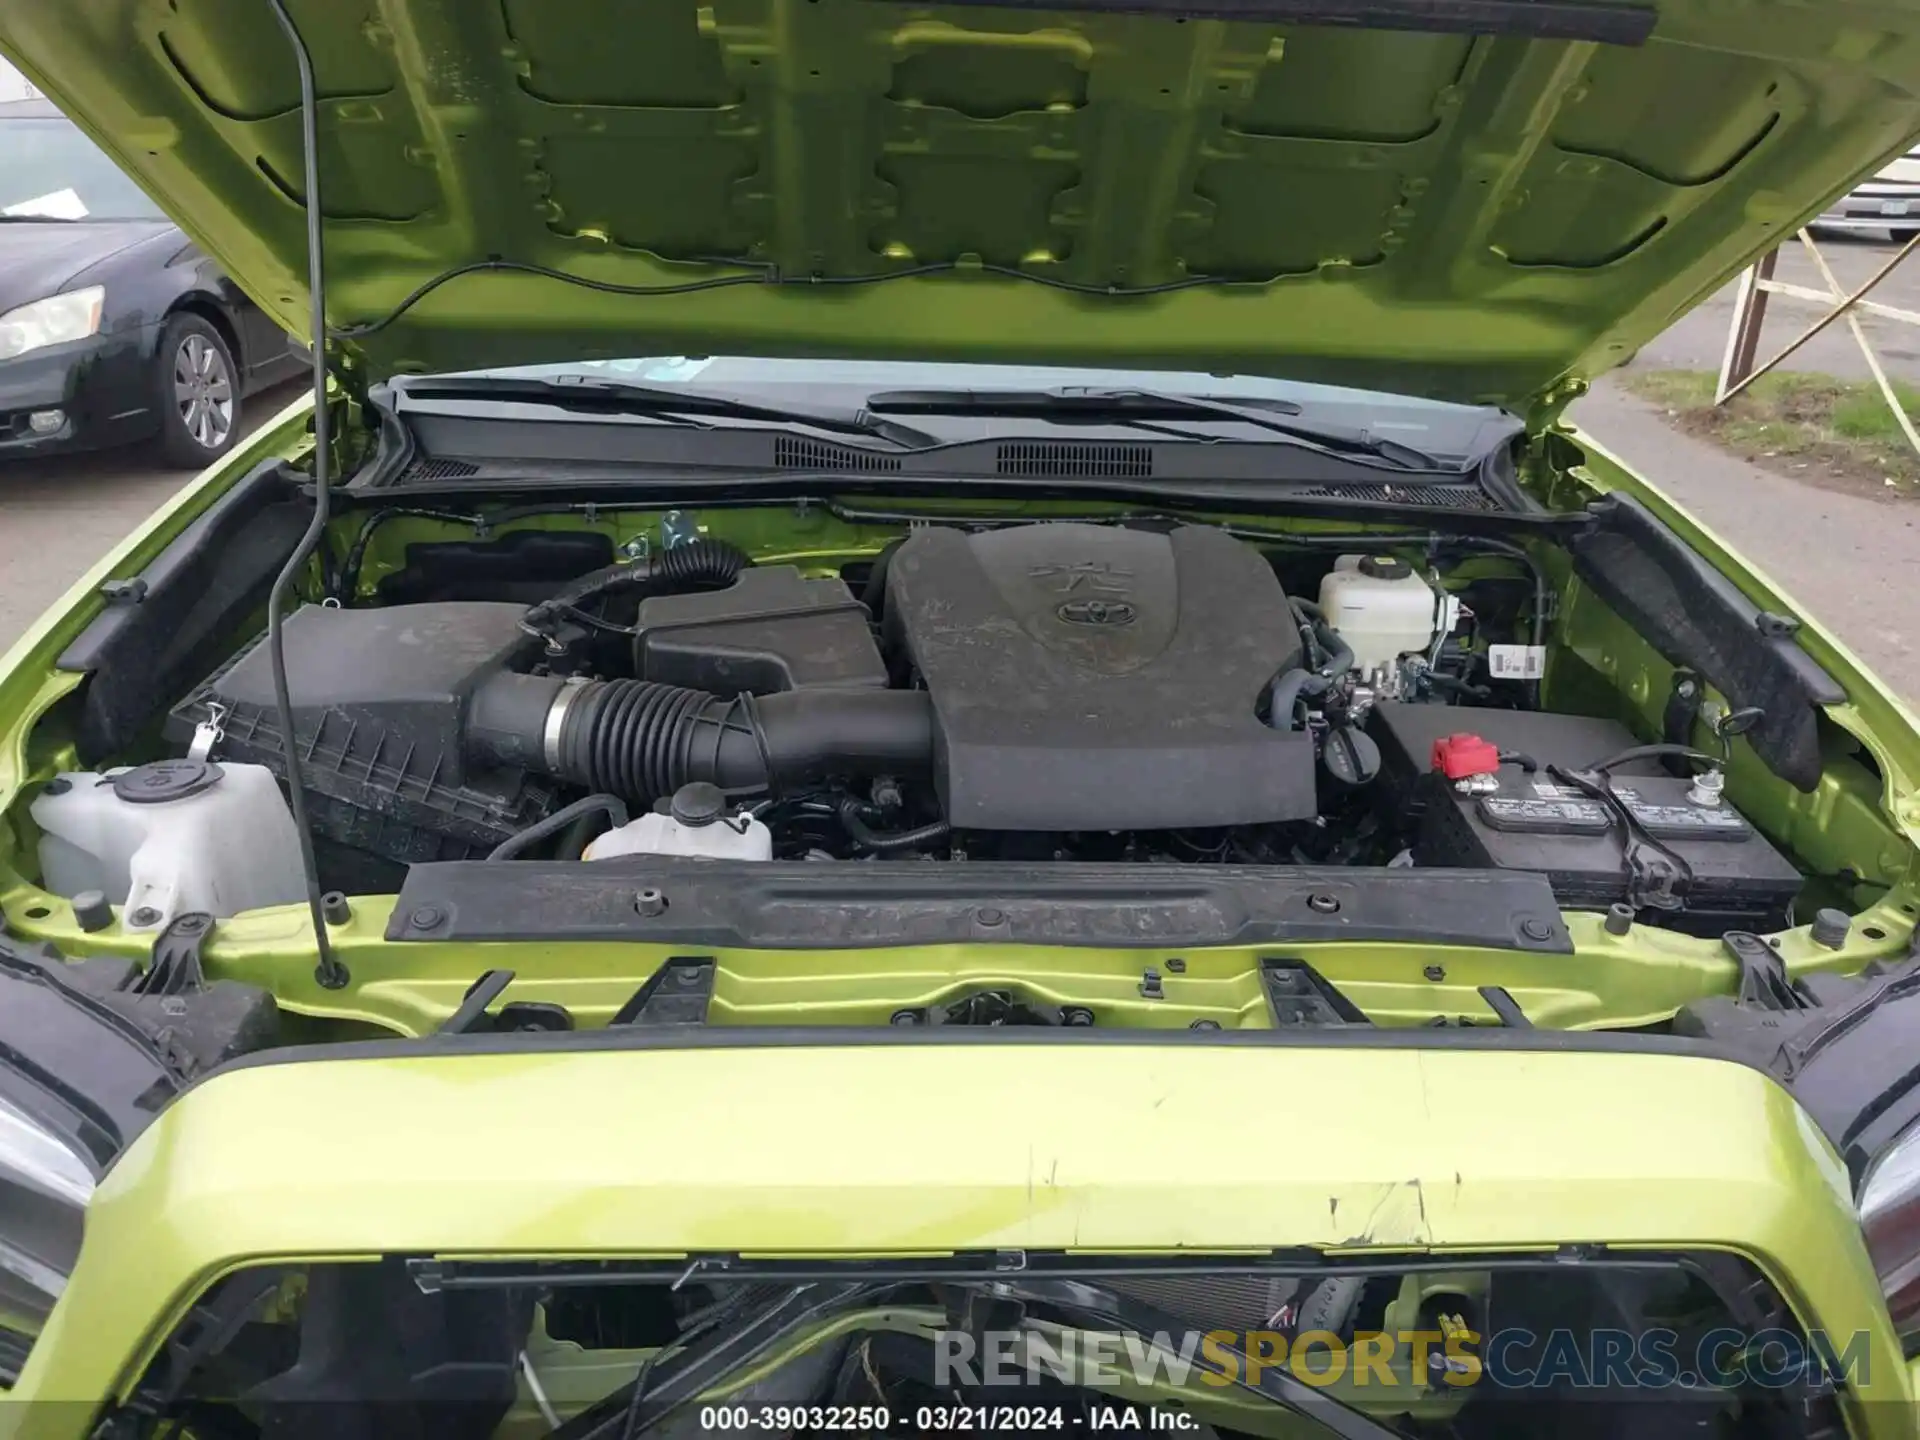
{"points": [[378, 698]]}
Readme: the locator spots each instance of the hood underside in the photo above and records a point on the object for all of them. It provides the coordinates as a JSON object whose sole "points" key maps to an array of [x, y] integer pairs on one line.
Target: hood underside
{"points": [[1475, 216]]}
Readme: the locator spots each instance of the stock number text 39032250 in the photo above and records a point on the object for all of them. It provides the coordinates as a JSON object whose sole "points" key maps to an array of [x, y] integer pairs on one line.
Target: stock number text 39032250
{"points": [[879, 1420]]}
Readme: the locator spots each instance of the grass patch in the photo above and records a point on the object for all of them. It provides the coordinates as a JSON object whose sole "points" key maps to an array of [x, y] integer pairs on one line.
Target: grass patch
{"points": [[1810, 426]]}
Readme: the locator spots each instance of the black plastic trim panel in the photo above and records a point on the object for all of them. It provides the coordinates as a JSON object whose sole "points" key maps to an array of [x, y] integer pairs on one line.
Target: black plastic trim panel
{"points": [[775, 906], [167, 627], [1696, 617]]}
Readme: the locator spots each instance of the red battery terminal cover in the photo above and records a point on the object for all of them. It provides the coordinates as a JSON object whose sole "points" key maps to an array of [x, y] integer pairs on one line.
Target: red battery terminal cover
{"points": [[1458, 756]]}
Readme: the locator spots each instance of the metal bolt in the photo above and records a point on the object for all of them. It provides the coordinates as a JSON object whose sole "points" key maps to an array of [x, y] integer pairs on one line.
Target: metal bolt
{"points": [[1536, 929], [91, 910], [427, 917], [1830, 928], [987, 915], [1435, 972], [190, 924], [1324, 903], [1204, 1025], [335, 908], [145, 915], [685, 975], [1177, 965], [650, 902], [1076, 1015], [905, 1018]]}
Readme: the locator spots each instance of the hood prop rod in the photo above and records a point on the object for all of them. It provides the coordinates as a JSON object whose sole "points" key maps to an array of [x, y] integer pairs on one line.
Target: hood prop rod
{"points": [[329, 971]]}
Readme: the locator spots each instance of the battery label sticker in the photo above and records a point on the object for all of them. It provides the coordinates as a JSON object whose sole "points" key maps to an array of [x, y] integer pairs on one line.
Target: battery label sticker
{"points": [[1683, 819], [1551, 790], [1545, 817], [1517, 662]]}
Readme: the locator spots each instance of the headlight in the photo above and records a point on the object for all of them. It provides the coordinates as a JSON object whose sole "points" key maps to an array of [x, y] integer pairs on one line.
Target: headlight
{"points": [[72, 316], [1890, 1217], [44, 1190]]}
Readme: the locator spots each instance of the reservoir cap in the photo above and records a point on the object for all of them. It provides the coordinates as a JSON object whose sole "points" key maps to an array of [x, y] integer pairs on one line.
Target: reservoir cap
{"points": [[165, 780]]}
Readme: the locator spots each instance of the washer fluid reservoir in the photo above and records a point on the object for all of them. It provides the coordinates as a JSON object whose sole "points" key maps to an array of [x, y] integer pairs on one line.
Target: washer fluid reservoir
{"points": [[171, 838], [696, 823]]}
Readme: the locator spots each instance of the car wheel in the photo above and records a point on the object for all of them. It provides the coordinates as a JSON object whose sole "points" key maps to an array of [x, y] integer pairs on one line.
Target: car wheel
{"points": [[199, 393]]}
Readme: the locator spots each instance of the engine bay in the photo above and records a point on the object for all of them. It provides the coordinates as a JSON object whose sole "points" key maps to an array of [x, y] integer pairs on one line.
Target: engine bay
{"points": [[1076, 691]]}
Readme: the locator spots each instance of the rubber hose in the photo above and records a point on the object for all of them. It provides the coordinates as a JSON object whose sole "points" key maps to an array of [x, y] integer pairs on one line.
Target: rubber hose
{"points": [[1286, 691], [1339, 654], [887, 842], [642, 740], [704, 564], [524, 840]]}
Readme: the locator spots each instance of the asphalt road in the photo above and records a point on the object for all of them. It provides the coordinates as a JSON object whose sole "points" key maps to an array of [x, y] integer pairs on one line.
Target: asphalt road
{"points": [[58, 516], [1848, 560], [1699, 339]]}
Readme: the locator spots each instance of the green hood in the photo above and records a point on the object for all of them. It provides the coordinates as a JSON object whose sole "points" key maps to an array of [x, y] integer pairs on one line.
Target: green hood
{"points": [[1476, 216]]}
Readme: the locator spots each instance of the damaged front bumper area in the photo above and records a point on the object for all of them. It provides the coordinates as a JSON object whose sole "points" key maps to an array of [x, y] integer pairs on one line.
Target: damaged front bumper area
{"points": [[902, 1232]]}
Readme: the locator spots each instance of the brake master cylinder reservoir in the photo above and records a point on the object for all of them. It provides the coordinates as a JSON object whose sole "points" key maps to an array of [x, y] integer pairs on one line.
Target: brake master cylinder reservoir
{"points": [[1382, 608], [171, 838]]}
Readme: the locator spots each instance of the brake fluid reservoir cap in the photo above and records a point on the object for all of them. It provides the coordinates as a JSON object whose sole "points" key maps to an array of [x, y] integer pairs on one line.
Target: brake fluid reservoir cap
{"points": [[697, 803], [164, 780], [1385, 567]]}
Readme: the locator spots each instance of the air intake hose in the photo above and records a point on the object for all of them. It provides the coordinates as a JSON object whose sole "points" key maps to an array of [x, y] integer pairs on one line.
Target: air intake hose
{"points": [[641, 740], [698, 565]]}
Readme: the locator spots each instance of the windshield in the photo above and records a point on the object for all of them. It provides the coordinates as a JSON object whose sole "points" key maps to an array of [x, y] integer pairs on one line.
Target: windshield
{"points": [[49, 169]]}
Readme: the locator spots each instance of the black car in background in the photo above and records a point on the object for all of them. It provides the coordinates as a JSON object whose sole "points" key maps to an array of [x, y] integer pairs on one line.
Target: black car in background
{"points": [[114, 327]]}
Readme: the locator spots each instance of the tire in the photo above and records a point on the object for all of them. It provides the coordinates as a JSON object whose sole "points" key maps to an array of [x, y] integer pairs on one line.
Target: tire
{"points": [[197, 391]]}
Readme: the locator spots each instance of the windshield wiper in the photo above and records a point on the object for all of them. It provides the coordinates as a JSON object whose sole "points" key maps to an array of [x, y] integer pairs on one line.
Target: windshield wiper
{"points": [[665, 402], [1135, 407]]}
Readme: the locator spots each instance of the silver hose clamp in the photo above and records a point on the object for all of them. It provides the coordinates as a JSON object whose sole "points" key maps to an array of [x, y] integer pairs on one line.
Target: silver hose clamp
{"points": [[557, 720]]}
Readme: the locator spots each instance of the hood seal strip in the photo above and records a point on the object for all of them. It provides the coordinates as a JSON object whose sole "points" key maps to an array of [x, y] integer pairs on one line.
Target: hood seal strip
{"points": [[1534, 19]]}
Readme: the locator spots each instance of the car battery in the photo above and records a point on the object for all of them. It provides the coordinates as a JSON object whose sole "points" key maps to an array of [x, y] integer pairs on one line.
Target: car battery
{"points": [[1516, 818]]}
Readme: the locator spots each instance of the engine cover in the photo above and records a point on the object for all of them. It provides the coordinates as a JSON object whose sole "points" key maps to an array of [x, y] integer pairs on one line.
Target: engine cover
{"points": [[1089, 677]]}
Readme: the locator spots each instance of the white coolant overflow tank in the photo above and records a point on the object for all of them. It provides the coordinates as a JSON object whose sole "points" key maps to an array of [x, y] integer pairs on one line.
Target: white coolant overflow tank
{"points": [[1384, 609], [170, 838], [695, 823]]}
